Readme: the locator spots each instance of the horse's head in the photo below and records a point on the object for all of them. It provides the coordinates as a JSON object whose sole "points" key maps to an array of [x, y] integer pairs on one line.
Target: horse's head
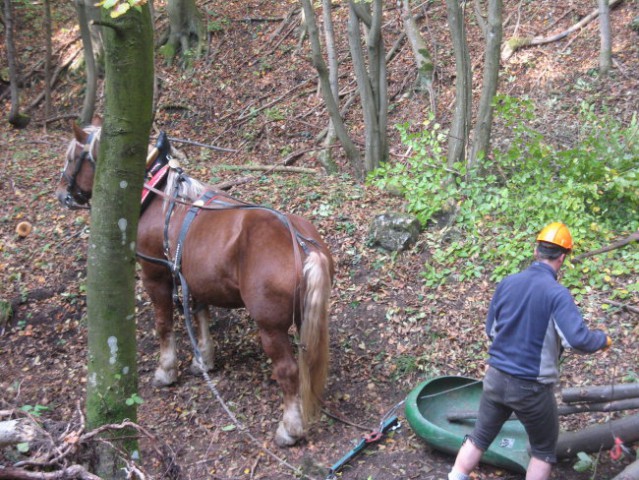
{"points": [[76, 182]]}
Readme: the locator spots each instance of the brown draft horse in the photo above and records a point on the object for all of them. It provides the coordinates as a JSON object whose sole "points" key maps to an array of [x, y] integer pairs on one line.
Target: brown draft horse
{"points": [[273, 264]]}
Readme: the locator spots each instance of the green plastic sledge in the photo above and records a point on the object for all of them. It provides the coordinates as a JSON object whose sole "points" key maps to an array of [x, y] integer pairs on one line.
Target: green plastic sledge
{"points": [[429, 405]]}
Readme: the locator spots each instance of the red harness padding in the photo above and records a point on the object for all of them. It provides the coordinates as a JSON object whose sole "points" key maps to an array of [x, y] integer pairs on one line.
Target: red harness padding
{"points": [[156, 180]]}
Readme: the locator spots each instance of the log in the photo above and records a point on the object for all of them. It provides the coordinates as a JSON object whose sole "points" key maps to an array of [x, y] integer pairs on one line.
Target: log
{"points": [[17, 431], [631, 472], [592, 439], [600, 393], [74, 471], [626, 404]]}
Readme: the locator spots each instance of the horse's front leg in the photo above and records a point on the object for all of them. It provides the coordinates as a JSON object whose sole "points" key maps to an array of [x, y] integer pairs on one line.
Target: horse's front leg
{"points": [[160, 289], [277, 346], [204, 342]]}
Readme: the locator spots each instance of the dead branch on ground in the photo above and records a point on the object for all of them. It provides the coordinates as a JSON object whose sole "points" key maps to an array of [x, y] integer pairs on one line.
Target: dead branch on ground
{"points": [[633, 237], [517, 43], [56, 449]]}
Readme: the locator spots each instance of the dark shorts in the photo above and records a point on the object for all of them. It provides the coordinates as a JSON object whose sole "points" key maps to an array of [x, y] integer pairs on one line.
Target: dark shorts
{"points": [[533, 403]]}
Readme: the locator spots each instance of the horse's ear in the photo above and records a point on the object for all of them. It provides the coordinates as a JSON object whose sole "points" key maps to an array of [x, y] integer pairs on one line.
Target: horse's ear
{"points": [[96, 121], [80, 135]]}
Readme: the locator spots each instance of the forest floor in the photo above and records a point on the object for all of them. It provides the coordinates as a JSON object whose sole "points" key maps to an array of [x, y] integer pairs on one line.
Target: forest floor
{"points": [[388, 331]]}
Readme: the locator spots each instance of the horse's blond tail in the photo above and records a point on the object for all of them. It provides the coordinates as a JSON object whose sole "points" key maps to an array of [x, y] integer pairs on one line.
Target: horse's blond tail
{"points": [[313, 354]]}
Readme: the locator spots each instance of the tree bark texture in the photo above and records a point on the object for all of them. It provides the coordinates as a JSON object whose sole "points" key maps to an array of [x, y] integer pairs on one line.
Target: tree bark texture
{"points": [[460, 126], [112, 373], [331, 105], [483, 124]]}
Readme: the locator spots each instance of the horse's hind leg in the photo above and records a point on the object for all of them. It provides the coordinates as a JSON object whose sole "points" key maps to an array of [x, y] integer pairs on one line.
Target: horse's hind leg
{"points": [[204, 342], [277, 346], [160, 290]]}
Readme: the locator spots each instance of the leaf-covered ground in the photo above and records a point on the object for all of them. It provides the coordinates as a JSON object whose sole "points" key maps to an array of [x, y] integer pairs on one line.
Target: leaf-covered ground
{"points": [[388, 332]]}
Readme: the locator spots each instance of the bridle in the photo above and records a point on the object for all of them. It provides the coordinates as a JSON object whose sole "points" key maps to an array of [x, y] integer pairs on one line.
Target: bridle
{"points": [[78, 198]]}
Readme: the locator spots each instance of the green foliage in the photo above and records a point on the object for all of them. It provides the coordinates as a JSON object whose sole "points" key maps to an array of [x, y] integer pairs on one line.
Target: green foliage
{"points": [[120, 7], [584, 463], [134, 399], [500, 205], [35, 410]]}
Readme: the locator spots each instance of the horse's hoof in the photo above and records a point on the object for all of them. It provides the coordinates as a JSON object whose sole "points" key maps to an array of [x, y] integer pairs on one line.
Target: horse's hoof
{"points": [[196, 370], [162, 378], [283, 438]]}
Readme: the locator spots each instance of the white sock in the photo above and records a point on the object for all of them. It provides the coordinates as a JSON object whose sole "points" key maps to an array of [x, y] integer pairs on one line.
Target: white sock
{"points": [[455, 475]]}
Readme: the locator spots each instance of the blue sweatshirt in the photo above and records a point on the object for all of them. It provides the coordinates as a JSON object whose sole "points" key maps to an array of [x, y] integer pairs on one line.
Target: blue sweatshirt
{"points": [[531, 316]]}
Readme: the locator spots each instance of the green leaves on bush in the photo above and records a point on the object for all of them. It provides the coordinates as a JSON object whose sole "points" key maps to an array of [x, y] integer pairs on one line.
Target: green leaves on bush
{"points": [[498, 206]]}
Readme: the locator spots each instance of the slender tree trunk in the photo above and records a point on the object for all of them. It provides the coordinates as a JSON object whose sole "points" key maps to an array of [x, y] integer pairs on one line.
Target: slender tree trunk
{"points": [[371, 84], [483, 125], [16, 119], [326, 158], [331, 105], [47, 62], [460, 126], [423, 59], [112, 373], [605, 34], [90, 64]]}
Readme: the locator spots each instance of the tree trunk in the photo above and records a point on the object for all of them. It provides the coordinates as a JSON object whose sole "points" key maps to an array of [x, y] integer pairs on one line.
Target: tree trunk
{"points": [[187, 35], [483, 125], [112, 373], [460, 126], [16, 119], [371, 84], [90, 65], [331, 105], [605, 34], [596, 437], [47, 62], [423, 59], [326, 157]]}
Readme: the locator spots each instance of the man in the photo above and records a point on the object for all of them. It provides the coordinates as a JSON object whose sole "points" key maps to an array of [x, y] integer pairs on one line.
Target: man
{"points": [[531, 317]]}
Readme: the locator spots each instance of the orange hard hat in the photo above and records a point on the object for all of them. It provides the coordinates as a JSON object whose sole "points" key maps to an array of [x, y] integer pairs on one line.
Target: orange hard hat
{"points": [[556, 233]]}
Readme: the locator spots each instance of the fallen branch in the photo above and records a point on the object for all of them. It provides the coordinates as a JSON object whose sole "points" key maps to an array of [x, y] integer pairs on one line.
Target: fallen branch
{"points": [[267, 168], [623, 306], [74, 471], [631, 472], [600, 393], [517, 43], [627, 404], [597, 437], [17, 431], [204, 145], [633, 237]]}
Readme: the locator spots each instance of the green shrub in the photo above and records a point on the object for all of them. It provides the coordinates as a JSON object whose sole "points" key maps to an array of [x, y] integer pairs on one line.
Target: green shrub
{"points": [[501, 204]]}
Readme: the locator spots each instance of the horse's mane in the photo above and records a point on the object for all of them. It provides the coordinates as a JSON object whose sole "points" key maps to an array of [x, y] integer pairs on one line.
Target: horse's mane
{"points": [[188, 188], [94, 132]]}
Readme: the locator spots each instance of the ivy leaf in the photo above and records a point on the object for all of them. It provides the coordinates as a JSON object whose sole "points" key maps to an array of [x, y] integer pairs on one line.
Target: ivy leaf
{"points": [[584, 464]]}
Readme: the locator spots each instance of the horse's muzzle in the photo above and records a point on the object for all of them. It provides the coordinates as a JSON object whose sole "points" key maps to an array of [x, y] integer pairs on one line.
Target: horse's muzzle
{"points": [[66, 199]]}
